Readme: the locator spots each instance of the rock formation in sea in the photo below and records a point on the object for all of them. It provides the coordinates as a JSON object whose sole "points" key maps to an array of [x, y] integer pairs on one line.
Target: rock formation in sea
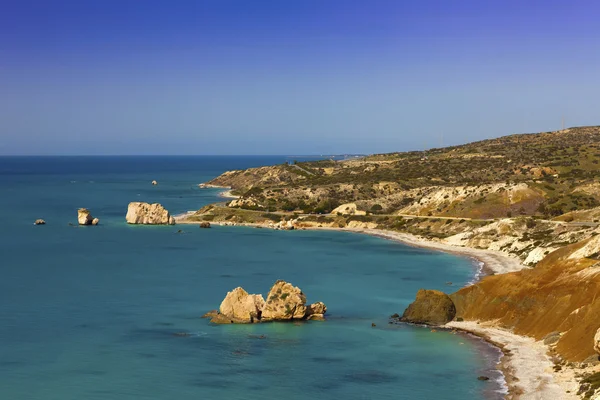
{"points": [[205, 224], [242, 307], [84, 217], [148, 214], [285, 302], [431, 307], [39, 222], [154, 183]]}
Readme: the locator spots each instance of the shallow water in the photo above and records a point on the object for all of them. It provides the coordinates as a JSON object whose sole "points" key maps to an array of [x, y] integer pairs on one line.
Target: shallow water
{"points": [[92, 312]]}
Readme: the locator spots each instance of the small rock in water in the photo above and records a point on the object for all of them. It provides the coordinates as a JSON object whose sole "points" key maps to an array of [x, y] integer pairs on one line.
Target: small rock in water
{"points": [[154, 183], [449, 283], [373, 324], [205, 224], [396, 315], [39, 222], [483, 378]]}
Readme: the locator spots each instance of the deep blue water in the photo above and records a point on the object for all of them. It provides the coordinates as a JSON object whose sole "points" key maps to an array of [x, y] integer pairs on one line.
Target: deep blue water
{"points": [[91, 312]]}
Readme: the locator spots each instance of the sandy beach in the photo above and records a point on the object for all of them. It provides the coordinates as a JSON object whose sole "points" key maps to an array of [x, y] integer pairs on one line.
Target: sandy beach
{"points": [[526, 365]]}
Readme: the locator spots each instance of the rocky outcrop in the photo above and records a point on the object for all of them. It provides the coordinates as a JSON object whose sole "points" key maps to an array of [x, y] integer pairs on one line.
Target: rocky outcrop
{"points": [[597, 341], [242, 307], [39, 222], [205, 224], [285, 302], [348, 209], [84, 217], [243, 202], [431, 307], [316, 311], [148, 214], [154, 183]]}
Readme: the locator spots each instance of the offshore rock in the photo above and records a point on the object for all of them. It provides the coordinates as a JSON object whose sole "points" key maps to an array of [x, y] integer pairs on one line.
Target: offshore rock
{"points": [[84, 217], [39, 222], [205, 224], [148, 214], [284, 302], [240, 306], [431, 307]]}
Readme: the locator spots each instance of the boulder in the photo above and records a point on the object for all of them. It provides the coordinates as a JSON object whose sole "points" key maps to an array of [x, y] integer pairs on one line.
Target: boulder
{"points": [[148, 214], [317, 308], [154, 183], [84, 217], [240, 306], [205, 224], [39, 222], [95, 221], [284, 302], [597, 341], [431, 307]]}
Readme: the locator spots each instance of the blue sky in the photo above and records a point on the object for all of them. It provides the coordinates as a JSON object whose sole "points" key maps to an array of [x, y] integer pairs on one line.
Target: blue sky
{"points": [[290, 77]]}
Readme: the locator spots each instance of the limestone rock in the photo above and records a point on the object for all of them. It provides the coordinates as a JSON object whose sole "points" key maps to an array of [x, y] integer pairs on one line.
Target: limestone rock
{"points": [[430, 307], [205, 224], [154, 183], [597, 341], [241, 306], [348, 209], [39, 222], [148, 214], [317, 308], [95, 221], [84, 217], [284, 302]]}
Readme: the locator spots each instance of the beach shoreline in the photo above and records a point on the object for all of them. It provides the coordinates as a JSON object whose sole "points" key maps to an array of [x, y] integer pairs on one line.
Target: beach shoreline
{"points": [[525, 364]]}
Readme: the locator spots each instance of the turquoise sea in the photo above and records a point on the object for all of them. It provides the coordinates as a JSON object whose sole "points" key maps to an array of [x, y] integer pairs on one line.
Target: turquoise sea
{"points": [[92, 312]]}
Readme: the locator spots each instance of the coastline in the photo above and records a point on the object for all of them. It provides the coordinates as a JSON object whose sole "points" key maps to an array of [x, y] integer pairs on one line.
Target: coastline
{"points": [[527, 368], [525, 364]]}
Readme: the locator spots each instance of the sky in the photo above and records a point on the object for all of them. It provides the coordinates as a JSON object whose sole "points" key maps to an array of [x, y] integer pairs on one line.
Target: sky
{"points": [[290, 77]]}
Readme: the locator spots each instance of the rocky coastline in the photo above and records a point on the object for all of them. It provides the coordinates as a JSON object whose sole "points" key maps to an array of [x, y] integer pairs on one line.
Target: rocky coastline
{"points": [[522, 356]]}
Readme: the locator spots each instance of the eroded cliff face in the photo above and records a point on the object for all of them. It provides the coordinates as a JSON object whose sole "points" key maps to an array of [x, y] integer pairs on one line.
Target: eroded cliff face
{"points": [[561, 294]]}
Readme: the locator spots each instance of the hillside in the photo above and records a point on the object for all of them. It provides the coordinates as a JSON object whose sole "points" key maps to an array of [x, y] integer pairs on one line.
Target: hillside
{"points": [[534, 197], [545, 174]]}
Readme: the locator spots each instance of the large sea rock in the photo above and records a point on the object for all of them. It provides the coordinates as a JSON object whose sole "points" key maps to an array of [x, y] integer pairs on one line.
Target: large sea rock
{"points": [[285, 302], [431, 307], [242, 307], [84, 217], [148, 214]]}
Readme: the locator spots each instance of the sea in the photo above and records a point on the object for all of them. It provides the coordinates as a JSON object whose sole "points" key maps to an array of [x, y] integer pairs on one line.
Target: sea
{"points": [[113, 311]]}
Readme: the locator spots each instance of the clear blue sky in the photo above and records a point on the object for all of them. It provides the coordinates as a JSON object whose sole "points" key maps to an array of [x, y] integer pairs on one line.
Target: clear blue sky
{"points": [[290, 76]]}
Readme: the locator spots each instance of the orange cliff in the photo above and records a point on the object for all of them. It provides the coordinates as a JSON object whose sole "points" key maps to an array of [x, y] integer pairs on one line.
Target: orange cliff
{"points": [[561, 294]]}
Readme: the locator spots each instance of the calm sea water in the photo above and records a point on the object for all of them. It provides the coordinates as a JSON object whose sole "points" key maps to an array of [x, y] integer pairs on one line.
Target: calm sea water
{"points": [[92, 312]]}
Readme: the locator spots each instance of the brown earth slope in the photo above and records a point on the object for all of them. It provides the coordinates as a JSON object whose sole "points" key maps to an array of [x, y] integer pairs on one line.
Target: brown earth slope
{"points": [[561, 294]]}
